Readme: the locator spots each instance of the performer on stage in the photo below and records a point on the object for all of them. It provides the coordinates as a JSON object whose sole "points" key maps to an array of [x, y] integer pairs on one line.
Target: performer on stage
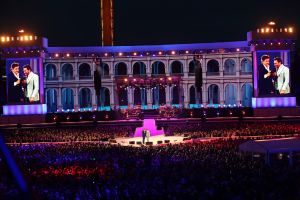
{"points": [[32, 81], [283, 77], [265, 78], [144, 132], [15, 92], [147, 135]]}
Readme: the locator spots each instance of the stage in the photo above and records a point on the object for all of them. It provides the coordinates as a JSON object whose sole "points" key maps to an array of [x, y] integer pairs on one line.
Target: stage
{"points": [[153, 141]]}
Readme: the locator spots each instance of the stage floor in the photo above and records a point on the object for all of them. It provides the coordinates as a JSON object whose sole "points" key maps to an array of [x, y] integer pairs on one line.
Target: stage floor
{"points": [[153, 140]]}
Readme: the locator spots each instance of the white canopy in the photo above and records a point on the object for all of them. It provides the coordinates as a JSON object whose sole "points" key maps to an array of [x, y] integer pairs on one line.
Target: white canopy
{"points": [[282, 145]]}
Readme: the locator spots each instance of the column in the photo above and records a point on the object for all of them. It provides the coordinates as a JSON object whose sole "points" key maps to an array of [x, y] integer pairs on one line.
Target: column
{"points": [[59, 74], [129, 97], [186, 96], [148, 68], [221, 88], [116, 97], [75, 71], [94, 99], [149, 98], [111, 97], [76, 104], [59, 104], [168, 99], [204, 95], [167, 68], [185, 68], [239, 99]]}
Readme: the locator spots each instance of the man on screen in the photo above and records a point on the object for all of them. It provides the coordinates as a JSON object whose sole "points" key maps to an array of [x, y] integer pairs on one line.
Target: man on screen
{"points": [[283, 77], [32, 82], [265, 78], [15, 92]]}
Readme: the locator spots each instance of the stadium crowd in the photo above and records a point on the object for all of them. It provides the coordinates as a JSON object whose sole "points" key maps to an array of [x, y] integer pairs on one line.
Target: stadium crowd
{"points": [[195, 170]]}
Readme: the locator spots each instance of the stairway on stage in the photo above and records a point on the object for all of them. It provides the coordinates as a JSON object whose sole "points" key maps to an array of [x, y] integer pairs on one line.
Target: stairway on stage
{"points": [[149, 124]]}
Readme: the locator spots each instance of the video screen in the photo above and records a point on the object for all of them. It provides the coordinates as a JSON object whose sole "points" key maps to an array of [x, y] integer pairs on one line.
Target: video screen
{"points": [[273, 73], [23, 81]]}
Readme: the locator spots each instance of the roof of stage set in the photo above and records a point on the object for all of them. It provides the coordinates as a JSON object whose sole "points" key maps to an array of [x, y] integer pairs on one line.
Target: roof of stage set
{"points": [[144, 48]]}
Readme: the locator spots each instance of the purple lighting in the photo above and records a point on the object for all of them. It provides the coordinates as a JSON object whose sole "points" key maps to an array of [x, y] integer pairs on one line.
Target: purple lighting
{"points": [[267, 102], [35, 109]]}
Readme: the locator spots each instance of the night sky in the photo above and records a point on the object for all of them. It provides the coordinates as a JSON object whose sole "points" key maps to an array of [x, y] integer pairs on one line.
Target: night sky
{"points": [[139, 22]]}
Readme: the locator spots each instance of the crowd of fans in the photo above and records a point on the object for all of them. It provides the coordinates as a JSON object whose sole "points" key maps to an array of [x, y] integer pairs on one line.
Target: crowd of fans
{"points": [[196, 170], [105, 133], [67, 134], [235, 130]]}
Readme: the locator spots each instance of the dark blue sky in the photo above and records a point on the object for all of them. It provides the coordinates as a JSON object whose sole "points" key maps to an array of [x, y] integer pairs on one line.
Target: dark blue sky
{"points": [[137, 22]]}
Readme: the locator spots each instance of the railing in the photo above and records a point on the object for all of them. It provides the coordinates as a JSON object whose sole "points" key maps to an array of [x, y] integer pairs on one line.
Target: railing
{"points": [[246, 73], [157, 75], [68, 78], [106, 76], [176, 74], [139, 75], [85, 77], [229, 73], [212, 73], [51, 78]]}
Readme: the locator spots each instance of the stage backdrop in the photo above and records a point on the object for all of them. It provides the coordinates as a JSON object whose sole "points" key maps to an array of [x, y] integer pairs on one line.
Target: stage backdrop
{"points": [[258, 84], [37, 68]]}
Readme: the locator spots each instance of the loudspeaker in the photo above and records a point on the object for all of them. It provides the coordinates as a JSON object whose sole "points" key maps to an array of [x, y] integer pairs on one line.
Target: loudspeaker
{"points": [[139, 143], [131, 142], [97, 76], [159, 142], [198, 74], [167, 141], [149, 143]]}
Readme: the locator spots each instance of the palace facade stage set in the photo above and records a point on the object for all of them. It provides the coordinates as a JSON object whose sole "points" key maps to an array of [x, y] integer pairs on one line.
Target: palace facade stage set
{"points": [[152, 78]]}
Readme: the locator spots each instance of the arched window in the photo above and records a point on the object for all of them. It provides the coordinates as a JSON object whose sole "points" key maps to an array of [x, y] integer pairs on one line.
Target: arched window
{"points": [[84, 71], [176, 68], [51, 72], [137, 96], [120, 69], [175, 95], [51, 100], [192, 95], [229, 67], [105, 70], [213, 68], [139, 68], [159, 96], [67, 72], [104, 100], [123, 97], [246, 66], [67, 100], [247, 91], [158, 67], [230, 94], [192, 68], [213, 94], [85, 98]]}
